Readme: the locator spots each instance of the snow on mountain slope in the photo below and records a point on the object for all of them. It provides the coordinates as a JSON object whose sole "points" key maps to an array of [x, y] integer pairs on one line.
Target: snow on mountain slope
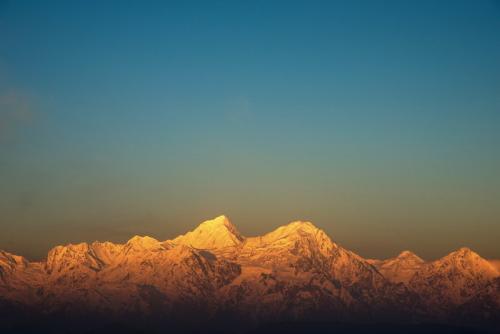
{"points": [[496, 264], [285, 272], [19, 279], [288, 246], [172, 270], [66, 258], [107, 251], [453, 279], [401, 268], [138, 244], [211, 234], [295, 271], [131, 277], [302, 247], [9, 263]]}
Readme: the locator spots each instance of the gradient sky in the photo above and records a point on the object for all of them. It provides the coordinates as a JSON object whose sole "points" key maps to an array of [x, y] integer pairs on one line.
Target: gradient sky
{"points": [[379, 121]]}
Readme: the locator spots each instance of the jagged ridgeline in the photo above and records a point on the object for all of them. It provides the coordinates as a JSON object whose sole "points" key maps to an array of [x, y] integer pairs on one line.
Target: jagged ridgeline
{"points": [[215, 278]]}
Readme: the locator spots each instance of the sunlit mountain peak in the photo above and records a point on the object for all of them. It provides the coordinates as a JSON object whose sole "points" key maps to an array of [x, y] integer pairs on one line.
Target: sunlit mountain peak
{"points": [[212, 234]]}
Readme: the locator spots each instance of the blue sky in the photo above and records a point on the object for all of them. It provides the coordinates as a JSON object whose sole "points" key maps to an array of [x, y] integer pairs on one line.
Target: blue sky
{"points": [[377, 120]]}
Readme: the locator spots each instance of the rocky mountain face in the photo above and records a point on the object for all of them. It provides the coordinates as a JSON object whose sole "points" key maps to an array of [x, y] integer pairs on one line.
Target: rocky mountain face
{"points": [[401, 268], [452, 280], [496, 264], [213, 273]]}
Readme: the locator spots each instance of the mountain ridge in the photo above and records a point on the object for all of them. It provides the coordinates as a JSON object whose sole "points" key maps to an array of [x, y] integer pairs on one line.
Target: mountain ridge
{"points": [[295, 271]]}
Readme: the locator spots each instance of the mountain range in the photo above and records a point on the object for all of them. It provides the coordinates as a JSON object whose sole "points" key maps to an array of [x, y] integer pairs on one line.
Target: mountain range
{"points": [[215, 275]]}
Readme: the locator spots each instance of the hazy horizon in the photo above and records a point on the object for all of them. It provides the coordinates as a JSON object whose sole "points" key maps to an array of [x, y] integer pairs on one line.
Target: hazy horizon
{"points": [[377, 121]]}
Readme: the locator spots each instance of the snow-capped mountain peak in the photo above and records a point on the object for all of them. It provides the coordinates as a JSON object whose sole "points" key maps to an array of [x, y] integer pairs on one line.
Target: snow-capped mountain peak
{"points": [[144, 242], [292, 270], [409, 255], [10, 263], [212, 234], [288, 244], [66, 258], [455, 278], [466, 259], [400, 269], [297, 230], [298, 226], [11, 259]]}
